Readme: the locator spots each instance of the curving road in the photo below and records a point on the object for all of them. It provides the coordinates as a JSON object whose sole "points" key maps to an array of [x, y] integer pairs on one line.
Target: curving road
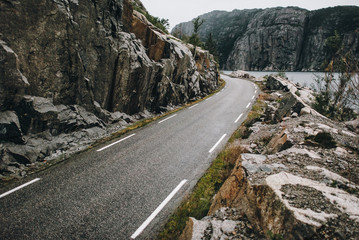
{"points": [[127, 188]]}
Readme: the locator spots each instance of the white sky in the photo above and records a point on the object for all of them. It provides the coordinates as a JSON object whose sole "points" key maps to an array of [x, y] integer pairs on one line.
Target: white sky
{"points": [[178, 11]]}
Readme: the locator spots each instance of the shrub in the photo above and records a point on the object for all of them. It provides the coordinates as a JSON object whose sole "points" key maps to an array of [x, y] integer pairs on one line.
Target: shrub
{"points": [[324, 139], [160, 23], [337, 96]]}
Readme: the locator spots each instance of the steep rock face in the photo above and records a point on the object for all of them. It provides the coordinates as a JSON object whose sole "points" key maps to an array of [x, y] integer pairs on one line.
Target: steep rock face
{"points": [[78, 53], [273, 41], [13, 82], [322, 24], [290, 39], [73, 67]]}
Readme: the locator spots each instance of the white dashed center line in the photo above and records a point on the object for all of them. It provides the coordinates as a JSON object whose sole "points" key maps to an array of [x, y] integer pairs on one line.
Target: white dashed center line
{"points": [[158, 210], [167, 118], [123, 139], [238, 118], [19, 187], [219, 141], [193, 106]]}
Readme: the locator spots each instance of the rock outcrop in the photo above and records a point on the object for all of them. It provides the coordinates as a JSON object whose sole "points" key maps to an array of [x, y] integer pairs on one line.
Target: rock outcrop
{"points": [[242, 74], [288, 39], [76, 67], [299, 180]]}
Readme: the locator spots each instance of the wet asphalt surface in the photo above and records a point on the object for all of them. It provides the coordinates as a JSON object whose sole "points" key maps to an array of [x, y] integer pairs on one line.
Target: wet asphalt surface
{"points": [[109, 194]]}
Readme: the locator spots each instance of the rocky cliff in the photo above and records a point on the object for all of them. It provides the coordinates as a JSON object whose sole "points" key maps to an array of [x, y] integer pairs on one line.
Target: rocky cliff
{"points": [[70, 68], [290, 39]]}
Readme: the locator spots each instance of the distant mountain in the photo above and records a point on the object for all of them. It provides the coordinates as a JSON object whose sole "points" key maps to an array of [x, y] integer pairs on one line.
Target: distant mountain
{"points": [[291, 39]]}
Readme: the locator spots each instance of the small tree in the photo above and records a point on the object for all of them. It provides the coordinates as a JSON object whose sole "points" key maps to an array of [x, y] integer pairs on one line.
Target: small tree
{"points": [[160, 23], [333, 44], [165, 23], [197, 23], [338, 94], [210, 45], [194, 38]]}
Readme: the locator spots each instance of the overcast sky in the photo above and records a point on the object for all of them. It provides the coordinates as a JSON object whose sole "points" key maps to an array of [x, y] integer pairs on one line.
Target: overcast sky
{"points": [[178, 11]]}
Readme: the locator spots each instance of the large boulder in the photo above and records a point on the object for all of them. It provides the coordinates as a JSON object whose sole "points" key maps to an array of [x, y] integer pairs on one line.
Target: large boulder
{"points": [[10, 129], [241, 74], [74, 118], [288, 104], [353, 125], [36, 114], [274, 83], [293, 99], [226, 223]]}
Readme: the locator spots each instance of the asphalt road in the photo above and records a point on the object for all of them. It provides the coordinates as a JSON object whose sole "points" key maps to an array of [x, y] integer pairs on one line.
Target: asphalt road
{"points": [[109, 194]]}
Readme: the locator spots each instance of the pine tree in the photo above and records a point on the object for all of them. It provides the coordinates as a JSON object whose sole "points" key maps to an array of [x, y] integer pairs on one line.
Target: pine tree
{"points": [[211, 45], [194, 38]]}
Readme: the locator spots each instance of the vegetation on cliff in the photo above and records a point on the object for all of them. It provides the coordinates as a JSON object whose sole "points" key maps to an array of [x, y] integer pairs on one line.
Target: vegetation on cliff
{"points": [[194, 39], [337, 92], [160, 23]]}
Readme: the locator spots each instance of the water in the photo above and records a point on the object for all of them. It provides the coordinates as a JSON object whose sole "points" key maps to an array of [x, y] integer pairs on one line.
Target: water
{"points": [[305, 79]]}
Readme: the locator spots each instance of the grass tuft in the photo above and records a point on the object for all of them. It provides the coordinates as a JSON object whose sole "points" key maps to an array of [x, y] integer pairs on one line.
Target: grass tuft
{"points": [[243, 132], [198, 203]]}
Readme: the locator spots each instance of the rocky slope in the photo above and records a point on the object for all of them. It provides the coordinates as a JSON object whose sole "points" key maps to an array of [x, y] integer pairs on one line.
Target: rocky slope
{"points": [[298, 180], [69, 69], [290, 39]]}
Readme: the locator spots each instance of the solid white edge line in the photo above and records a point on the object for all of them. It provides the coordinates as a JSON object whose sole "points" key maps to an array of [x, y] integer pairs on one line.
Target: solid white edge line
{"points": [[219, 141], [167, 118], [123, 139], [19, 187], [193, 106], [238, 118], [248, 105], [158, 210]]}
